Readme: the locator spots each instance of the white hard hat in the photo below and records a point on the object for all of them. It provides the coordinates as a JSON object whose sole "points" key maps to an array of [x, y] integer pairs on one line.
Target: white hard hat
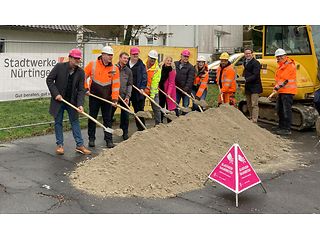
{"points": [[153, 54], [280, 52], [201, 59], [107, 50]]}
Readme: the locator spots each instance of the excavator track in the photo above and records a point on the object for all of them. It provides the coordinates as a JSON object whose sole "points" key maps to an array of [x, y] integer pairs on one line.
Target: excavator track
{"points": [[303, 116]]}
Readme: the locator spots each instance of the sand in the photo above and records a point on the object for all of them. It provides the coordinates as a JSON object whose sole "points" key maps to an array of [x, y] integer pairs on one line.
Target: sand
{"points": [[177, 157]]}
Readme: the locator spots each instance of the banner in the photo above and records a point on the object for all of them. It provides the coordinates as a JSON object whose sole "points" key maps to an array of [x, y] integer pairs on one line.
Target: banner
{"points": [[23, 75]]}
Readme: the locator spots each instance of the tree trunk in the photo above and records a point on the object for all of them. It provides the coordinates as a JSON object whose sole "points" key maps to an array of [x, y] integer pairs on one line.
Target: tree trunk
{"points": [[128, 36]]}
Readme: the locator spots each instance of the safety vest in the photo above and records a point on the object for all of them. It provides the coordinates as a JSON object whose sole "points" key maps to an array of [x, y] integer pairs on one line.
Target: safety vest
{"points": [[287, 71], [228, 79], [201, 80], [154, 75], [104, 80]]}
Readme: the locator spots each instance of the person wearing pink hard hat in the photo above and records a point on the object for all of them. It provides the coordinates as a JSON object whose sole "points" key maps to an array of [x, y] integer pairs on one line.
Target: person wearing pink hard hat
{"points": [[139, 74], [184, 78], [66, 81]]}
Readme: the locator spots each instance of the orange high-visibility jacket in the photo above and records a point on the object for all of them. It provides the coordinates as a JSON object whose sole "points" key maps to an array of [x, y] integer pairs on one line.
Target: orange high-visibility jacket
{"points": [[104, 80], [201, 80], [228, 79], [286, 71]]}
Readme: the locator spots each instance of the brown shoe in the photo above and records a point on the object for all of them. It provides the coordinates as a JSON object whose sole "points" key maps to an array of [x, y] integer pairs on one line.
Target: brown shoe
{"points": [[83, 150], [59, 150]]}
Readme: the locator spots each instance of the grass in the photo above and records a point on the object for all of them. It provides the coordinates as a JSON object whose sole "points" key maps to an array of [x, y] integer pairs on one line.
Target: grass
{"points": [[25, 112]]}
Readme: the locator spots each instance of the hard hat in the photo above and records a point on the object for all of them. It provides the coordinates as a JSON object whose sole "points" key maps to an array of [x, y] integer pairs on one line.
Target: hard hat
{"points": [[185, 52], [107, 50], [153, 54], [75, 53], [224, 55], [280, 52], [201, 59], [134, 50]]}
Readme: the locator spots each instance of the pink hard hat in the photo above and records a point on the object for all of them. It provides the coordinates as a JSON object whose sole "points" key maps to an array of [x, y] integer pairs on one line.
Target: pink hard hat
{"points": [[75, 53], [134, 50], [185, 52]]}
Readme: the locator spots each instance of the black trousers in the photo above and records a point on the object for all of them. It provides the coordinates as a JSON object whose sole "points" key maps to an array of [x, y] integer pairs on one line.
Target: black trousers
{"points": [[124, 118], [163, 104], [284, 109], [138, 105], [106, 110]]}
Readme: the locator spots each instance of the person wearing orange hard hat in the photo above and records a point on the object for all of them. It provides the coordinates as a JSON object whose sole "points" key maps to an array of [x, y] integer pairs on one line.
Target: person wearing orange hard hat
{"points": [[66, 81]]}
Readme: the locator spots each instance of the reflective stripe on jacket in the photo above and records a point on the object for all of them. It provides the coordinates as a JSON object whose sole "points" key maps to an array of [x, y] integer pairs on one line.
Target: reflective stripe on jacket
{"points": [[228, 79], [104, 80], [154, 75], [201, 80], [286, 71]]}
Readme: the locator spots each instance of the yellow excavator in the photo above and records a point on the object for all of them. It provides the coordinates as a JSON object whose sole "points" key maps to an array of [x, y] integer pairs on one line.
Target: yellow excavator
{"points": [[301, 43]]}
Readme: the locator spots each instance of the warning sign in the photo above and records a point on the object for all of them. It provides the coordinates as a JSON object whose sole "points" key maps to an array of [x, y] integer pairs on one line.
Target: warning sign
{"points": [[234, 171]]}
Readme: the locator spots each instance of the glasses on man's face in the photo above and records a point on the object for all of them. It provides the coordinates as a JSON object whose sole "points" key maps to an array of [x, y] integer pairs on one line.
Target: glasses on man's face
{"points": [[78, 59], [185, 56]]}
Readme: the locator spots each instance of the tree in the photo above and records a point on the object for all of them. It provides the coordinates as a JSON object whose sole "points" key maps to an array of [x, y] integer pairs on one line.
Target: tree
{"points": [[133, 30]]}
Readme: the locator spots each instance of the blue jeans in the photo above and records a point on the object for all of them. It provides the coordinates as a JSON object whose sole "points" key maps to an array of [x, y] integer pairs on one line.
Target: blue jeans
{"points": [[203, 97], [75, 125], [185, 101]]}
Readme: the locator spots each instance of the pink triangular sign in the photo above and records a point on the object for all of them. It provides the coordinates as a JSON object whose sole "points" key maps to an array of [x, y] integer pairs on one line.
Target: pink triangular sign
{"points": [[224, 172], [247, 176], [234, 171]]}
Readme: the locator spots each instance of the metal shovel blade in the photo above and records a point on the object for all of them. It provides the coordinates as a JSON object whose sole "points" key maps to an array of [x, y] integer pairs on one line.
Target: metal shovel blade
{"points": [[170, 116], [144, 114], [202, 103], [186, 110], [117, 132]]}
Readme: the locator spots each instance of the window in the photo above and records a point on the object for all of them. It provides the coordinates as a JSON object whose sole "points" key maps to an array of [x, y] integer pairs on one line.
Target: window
{"points": [[316, 40], [164, 40], [150, 40], [293, 39], [2, 45]]}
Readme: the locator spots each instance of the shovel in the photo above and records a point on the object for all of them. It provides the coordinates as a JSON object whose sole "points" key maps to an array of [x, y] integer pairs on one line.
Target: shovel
{"points": [[183, 109], [117, 132], [136, 114], [166, 112], [199, 103], [139, 114]]}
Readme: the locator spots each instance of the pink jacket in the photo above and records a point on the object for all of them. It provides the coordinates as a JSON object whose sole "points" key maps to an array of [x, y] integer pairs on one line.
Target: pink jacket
{"points": [[170, 89]]}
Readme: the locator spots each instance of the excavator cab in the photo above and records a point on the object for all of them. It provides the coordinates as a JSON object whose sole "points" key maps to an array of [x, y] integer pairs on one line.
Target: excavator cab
{"points": [[301, 43]]}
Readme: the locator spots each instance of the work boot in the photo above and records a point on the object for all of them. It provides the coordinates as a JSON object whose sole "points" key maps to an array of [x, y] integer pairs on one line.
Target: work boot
{"points": [[91, 143], [283, 132], [125, 136], [110, 144], [59, 150], [82, 149]]}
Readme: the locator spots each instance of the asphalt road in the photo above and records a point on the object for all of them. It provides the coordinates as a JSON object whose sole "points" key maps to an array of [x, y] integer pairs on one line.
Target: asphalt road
{"points": [[34, 180]]}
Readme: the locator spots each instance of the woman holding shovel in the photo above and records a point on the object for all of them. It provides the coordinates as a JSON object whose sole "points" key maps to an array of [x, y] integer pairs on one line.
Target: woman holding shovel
{"points": [[167, 84]]}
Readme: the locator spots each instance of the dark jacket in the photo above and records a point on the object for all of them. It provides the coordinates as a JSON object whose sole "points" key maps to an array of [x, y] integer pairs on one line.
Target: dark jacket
{"points": [[126, 81], [185, 76], [139, 73], [57, 83], [251, 73]]}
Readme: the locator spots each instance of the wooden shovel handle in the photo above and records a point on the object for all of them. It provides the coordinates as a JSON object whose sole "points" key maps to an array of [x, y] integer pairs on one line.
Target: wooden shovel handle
{"points": [[168, 96], [88, 116]]}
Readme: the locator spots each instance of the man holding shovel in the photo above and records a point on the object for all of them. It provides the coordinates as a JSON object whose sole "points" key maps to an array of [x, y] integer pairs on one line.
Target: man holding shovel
{"points": [[66, 81], [104, 82], [184, 78], [126, 81], [154, 75], [199, 88]]}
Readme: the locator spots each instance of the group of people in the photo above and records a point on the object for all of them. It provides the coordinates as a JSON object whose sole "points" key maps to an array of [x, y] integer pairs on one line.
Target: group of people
{"points": [[126, 83], [131, 80]]}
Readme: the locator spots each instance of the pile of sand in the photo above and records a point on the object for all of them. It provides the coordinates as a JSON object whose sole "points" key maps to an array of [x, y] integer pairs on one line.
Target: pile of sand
{"points": [[177, 157]]}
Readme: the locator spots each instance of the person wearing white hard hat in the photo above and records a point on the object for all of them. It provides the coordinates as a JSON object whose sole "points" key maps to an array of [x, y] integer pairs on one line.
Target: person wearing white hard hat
{"points": [[103, 80], [66, 81], [286, 88], [253, 85], [199, 88], [154, 75]]}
